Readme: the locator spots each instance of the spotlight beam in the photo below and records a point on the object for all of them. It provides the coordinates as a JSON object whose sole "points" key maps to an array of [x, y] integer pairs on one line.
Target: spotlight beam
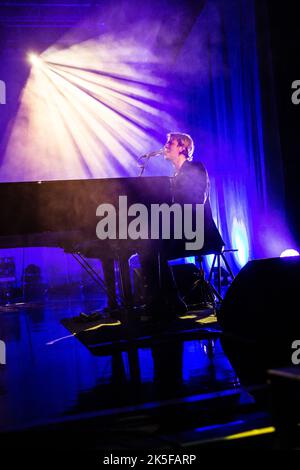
{"points": [[34, 59]]}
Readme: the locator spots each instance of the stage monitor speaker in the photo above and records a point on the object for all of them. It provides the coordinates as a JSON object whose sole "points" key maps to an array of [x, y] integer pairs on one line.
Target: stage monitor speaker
{"points": [[263, 300]]}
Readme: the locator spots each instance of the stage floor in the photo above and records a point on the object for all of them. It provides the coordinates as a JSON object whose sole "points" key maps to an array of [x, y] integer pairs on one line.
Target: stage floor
{"points": [[130, 380]]}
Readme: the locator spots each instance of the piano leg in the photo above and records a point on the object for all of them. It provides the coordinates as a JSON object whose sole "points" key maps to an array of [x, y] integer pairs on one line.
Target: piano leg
{"points": [[110, 282]]}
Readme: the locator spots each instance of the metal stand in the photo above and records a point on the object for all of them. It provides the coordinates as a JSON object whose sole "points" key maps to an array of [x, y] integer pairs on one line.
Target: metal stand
{"points": [[217, 259], [143, 164], [95, 276], [206, 291], [203, 293]]}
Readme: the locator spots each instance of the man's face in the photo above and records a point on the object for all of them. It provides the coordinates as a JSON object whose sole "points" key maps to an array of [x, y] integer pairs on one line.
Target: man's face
{"points": [[172, 149]]}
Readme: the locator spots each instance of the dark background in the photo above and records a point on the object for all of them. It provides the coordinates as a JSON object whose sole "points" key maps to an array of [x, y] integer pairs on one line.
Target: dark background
{"points": [[282, 33]]}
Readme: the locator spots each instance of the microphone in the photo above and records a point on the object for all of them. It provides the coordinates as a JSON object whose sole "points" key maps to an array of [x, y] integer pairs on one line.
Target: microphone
{"points": [[155, 153]]}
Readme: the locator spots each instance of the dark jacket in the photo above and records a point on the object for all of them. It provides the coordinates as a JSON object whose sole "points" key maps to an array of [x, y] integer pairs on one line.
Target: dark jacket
{"points": [[191, 186]]}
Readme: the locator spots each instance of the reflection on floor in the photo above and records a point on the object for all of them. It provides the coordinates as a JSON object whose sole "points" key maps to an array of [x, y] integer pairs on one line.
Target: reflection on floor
{"points": [[145, 387]]}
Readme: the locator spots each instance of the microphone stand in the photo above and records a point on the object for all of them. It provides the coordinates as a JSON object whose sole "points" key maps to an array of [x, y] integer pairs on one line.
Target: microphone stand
{"points": [[146, 159], [143, 165]]}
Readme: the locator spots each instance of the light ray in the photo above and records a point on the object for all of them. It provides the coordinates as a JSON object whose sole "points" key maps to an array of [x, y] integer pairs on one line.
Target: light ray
{"points": [[88, 111]]}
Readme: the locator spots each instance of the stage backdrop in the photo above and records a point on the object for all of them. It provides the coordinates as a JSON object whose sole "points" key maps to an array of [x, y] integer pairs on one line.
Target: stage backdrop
{"points": [[108, 87]]}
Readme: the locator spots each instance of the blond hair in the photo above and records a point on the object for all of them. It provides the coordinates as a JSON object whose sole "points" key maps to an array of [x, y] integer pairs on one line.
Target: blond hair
{"points": [[185, 141]]}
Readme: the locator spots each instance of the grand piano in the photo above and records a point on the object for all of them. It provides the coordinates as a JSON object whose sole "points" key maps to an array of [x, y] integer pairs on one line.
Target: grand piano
{"points": [[57, 213], [63, 214]]}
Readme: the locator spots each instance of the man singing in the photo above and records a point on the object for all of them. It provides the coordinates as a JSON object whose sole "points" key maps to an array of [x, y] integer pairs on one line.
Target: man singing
{"points": [[190, 186]]}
